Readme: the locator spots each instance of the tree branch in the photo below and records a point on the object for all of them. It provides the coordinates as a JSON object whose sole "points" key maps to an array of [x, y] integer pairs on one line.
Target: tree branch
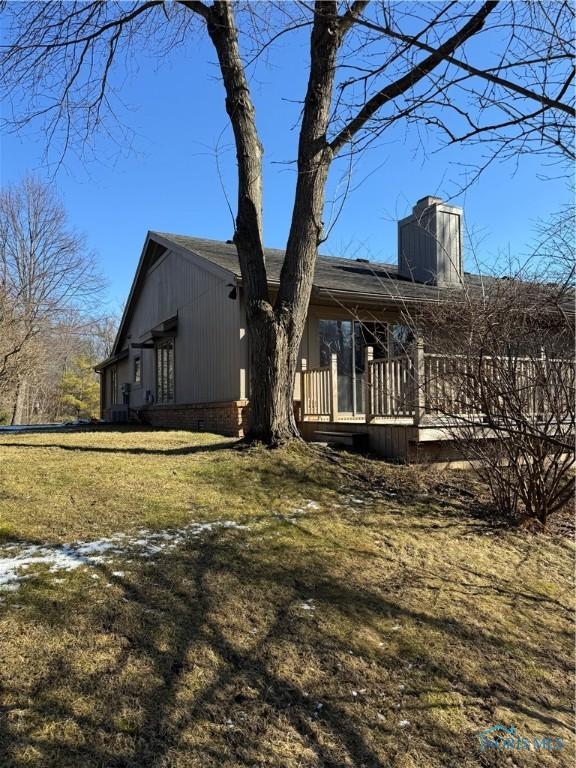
{"points": [[352, 15], [482, 73], [197, 7], [221, 26], [416, 74]]}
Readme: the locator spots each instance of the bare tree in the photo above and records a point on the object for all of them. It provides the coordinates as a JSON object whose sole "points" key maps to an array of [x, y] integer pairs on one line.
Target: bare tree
{"points": [[46, 275], [370, 66]]}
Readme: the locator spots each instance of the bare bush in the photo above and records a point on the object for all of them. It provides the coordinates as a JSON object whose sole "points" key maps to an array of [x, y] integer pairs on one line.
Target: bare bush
{"points": [[499, 379]]}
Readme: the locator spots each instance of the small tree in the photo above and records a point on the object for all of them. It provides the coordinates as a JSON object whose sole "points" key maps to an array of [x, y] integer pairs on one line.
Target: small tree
{"points": [[80, 390]]}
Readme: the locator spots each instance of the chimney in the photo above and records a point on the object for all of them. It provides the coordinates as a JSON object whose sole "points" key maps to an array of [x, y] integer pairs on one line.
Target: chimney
{"points": [[430, 243]]}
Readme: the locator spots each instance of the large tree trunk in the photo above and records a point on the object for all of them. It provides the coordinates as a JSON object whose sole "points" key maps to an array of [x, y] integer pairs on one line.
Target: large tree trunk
{"points": [[274, 332], [273, 361], [275, 335]]}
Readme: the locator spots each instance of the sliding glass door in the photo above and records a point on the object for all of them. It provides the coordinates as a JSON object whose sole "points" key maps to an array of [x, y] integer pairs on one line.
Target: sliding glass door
{"points": [[348, 340]]}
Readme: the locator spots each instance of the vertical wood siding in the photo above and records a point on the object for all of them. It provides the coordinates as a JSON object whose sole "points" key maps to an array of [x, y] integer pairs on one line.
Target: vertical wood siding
{"points": [[207, 349]]}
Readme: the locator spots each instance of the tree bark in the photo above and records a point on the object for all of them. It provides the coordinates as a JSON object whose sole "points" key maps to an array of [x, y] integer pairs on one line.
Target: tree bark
{"points": [[18, 410], [275, 332], [273, 356], [275, 343]]}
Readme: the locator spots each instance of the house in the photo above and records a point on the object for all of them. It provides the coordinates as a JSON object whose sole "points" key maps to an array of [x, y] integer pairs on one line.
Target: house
{"points": [[180, 358]]}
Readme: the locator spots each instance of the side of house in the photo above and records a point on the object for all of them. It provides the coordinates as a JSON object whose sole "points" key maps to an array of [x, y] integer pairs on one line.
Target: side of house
{"points": [[181, 355], [177, 357]]}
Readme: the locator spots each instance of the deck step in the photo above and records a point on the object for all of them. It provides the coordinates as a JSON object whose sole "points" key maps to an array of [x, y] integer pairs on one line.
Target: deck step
{"points": [[354, 439]]}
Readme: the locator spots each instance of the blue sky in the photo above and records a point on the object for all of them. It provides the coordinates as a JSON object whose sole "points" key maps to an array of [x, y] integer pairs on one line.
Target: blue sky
{"points": [[170, 181]]}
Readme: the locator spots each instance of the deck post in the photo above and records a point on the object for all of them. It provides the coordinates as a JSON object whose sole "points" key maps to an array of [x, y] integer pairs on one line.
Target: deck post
{"points": [[419, 381], [368, 357], [544, 373], [334, 387], [303, 368]]}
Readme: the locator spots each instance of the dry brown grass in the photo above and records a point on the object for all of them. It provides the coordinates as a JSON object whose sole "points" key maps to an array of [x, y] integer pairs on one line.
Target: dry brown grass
{"points": [[207, 657]]}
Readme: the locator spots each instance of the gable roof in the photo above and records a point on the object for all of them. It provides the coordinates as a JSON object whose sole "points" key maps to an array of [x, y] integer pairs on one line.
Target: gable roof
{"points": [[333, 275]]}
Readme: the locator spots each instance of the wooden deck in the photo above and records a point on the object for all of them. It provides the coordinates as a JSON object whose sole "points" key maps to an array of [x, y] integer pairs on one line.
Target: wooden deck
{"points": [[412, 404]]}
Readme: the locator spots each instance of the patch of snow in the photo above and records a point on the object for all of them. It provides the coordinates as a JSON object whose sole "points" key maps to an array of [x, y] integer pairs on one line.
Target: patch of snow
{"points": [[14, 558], [404, 723], [58, 558], [308, 605], [119, 574]]}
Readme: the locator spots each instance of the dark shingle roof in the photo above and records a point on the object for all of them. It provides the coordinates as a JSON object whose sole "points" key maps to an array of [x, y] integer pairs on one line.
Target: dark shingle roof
{"points": [[332, 274]]}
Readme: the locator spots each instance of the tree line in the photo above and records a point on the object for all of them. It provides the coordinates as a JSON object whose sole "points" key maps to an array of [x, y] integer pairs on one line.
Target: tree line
{"points": [[52, 330]]}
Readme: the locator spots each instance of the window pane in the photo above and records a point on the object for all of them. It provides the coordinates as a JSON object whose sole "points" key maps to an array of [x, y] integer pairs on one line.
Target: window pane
{"points": [[113, 385], [401, 340], [367, 334], [336, 338], [165, 372]]}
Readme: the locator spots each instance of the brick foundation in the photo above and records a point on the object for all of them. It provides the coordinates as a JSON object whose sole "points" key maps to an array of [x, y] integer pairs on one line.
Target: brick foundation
{"points": [[228, 418]]}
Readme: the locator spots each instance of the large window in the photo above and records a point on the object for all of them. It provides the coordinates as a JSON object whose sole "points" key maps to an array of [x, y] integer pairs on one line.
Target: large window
{"points": [[336, 337], [165, 372], [348, 339]]}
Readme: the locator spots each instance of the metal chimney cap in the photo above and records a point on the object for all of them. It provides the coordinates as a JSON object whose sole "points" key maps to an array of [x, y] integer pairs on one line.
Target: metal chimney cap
{"points": [[427, 201]]}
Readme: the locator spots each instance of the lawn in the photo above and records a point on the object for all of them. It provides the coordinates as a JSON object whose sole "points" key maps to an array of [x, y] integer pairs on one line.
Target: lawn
{"points": [[187, 604]]}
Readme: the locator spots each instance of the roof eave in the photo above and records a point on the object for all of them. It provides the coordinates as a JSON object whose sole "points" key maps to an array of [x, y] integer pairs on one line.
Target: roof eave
{"points": [[111, 360]]}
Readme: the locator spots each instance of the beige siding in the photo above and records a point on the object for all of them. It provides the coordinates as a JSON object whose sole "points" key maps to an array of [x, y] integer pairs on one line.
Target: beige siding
{"points": [[207, 350]]}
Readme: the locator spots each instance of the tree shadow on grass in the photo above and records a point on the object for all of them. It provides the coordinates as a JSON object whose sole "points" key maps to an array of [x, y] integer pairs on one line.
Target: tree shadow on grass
{"points": [[185, 451], [212, 660]]}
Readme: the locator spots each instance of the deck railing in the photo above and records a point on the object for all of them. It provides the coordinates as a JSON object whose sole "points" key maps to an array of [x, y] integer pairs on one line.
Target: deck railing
{"points": [[436, 384], [389, 387], [319, 391], [422, 384]]}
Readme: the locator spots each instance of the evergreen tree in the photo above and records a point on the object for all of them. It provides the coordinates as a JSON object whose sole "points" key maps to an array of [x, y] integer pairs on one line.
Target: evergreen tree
{"points": [[80, 390]]}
